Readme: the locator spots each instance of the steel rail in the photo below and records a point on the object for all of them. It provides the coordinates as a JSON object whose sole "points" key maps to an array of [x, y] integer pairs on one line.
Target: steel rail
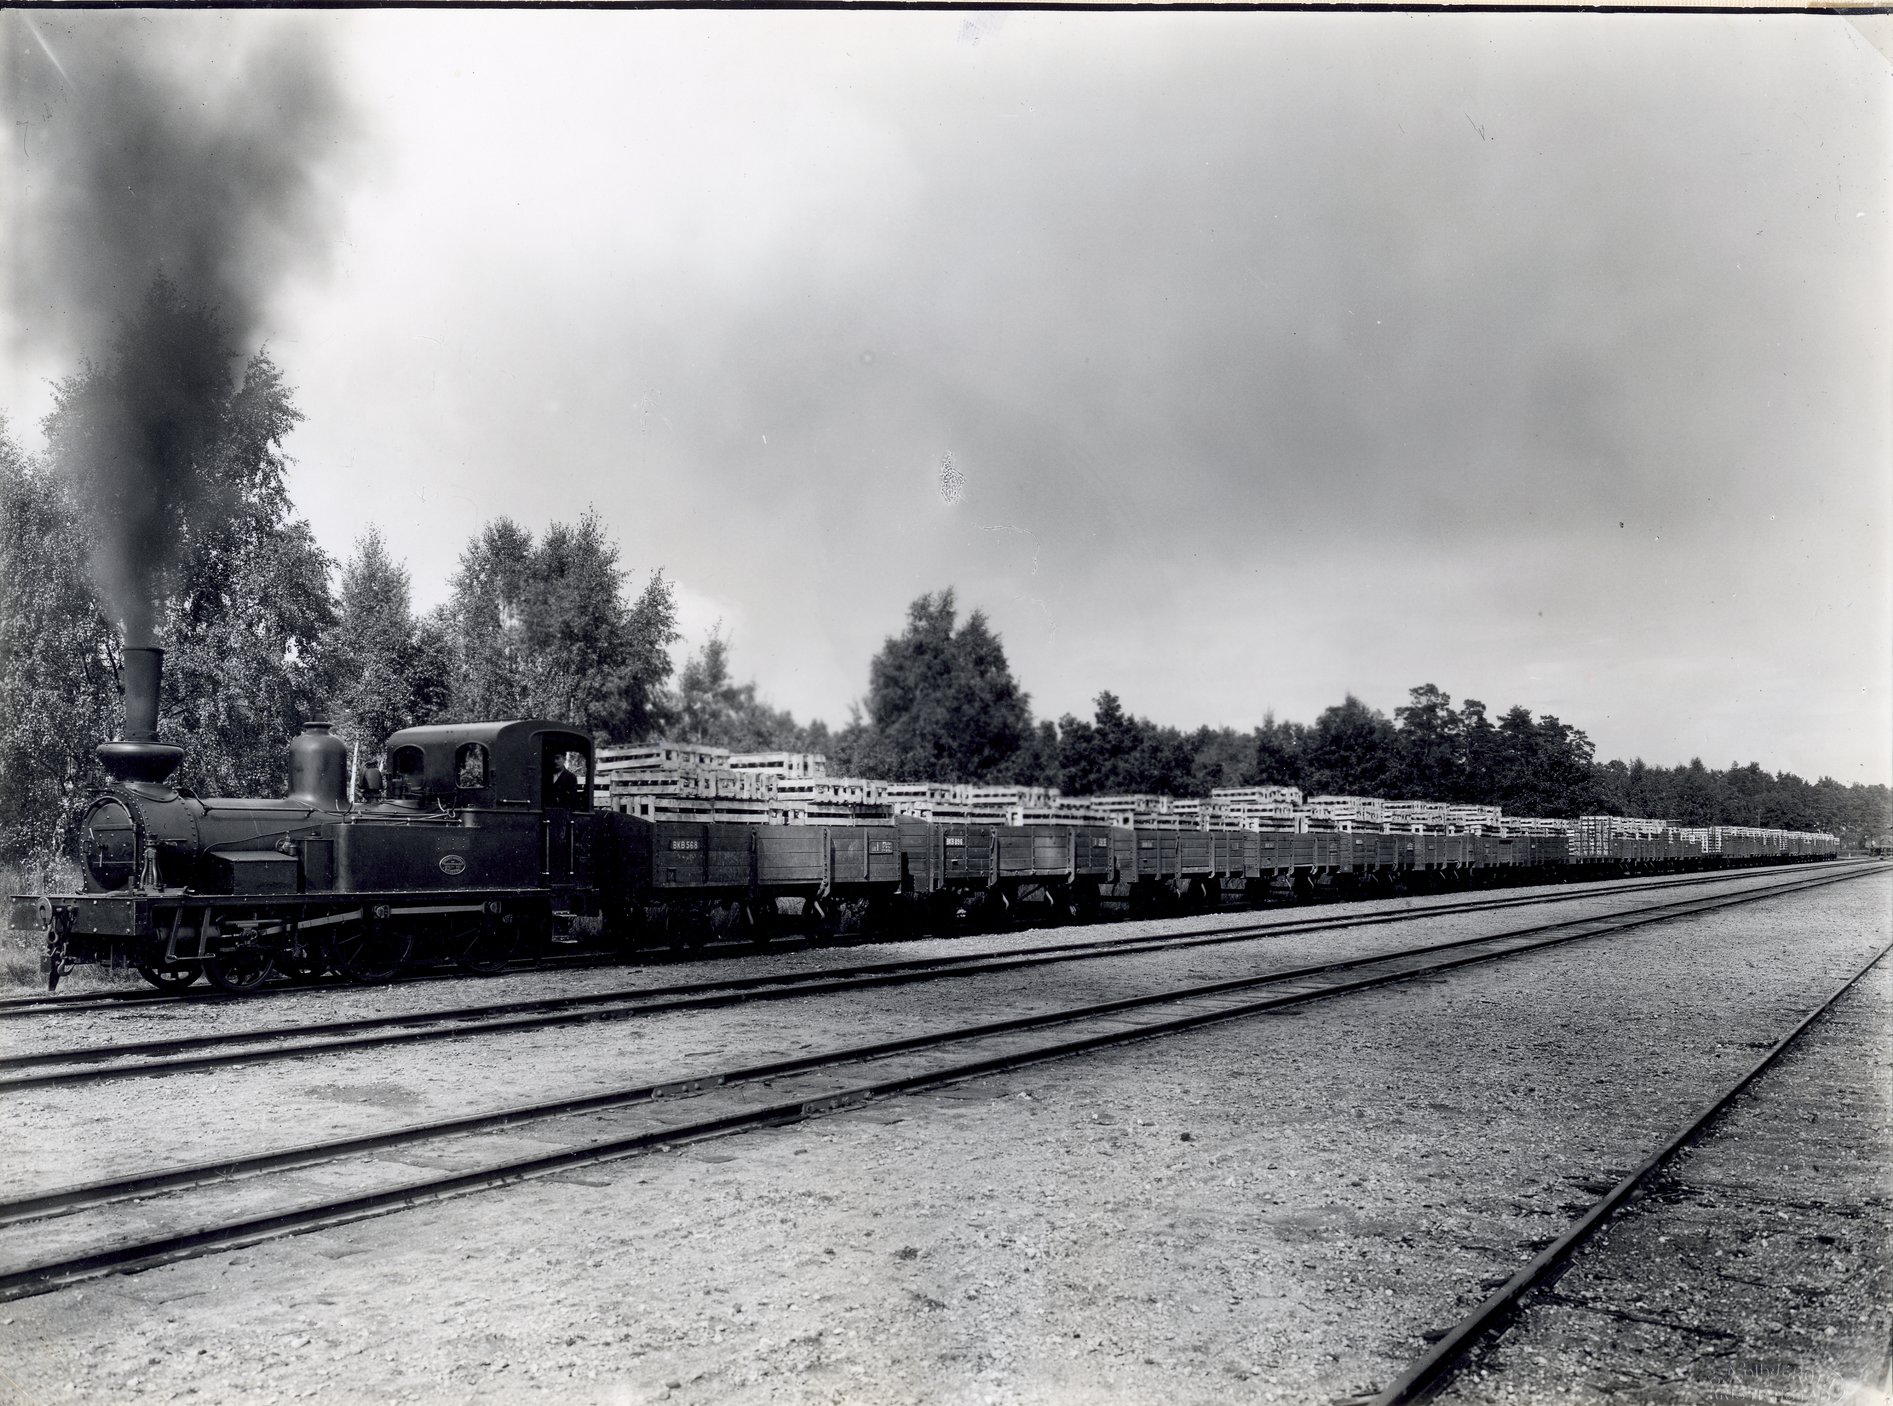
{"points": [[21, 1007], [1430, 1372], [144, 1254], [291, 1042], [131, 998]]}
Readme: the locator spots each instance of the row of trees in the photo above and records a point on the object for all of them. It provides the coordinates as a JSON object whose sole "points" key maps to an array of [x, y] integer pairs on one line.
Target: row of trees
{"points": [[942, 705]]}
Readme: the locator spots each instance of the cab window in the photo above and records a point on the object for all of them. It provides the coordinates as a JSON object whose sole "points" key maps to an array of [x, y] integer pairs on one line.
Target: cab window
{"points": [[406, 772], [471, 767], [566, 775]]}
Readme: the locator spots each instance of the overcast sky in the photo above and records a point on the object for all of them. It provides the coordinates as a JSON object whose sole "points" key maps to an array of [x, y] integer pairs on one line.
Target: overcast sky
{"points": [[1228, 362]]}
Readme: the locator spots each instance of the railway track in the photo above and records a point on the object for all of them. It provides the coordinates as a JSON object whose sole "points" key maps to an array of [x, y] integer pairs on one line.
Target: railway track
{"points": [[158, 1217], [81, 1002], [1432, 1372], [131, 998], [180, 1054]]}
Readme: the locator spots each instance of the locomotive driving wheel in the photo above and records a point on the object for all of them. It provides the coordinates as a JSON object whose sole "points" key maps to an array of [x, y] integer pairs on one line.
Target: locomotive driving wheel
{"points": [[242, 966], [370, 950], [303, 960], [167, 976], [487, 947]]}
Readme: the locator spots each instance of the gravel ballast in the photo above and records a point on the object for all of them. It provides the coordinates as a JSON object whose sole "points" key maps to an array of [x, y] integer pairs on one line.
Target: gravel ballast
{"points": [[1756, 1266], [1277, 1208]]}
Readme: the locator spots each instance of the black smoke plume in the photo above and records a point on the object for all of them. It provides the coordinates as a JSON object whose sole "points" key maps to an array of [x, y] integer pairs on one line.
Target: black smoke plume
{"points": [[170, 170]]}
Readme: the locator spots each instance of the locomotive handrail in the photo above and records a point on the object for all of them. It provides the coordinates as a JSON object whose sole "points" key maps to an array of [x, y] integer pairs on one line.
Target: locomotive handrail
{"points": [[247, 840]]}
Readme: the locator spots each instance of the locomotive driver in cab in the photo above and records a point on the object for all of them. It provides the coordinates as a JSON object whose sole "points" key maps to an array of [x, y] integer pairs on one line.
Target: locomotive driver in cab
{"points": [[565, 790]]}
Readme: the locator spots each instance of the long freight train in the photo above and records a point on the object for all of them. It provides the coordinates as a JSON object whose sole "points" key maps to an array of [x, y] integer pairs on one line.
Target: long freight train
{"points": [[482, 841]]}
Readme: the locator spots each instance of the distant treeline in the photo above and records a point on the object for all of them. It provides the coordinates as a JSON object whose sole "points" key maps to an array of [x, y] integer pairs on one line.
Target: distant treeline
{"points": [[264, 630], [942, 705]]}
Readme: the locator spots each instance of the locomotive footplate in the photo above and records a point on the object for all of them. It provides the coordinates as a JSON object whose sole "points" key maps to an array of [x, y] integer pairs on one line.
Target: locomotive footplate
{"points": [[97, 914], [91, 926], [144, 914]]}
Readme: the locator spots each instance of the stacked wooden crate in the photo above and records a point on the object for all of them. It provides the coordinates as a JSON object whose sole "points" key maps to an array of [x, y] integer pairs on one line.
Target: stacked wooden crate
{"points": [[974, 805], [686, 781], [1474, 820], [697, 808], [1005, 797], [1078, 810], [1593, 836], [1347, 812], [1416, 817], [1265, 795], [1143, 810], [952, 812], [779, 764], [1532, 825], [1257, 808], [821, 812], [661, 756], [625, 778], [1065, 810], [1743, 841], [940, 802], [831, 800], [846, 789], [899, 791]]}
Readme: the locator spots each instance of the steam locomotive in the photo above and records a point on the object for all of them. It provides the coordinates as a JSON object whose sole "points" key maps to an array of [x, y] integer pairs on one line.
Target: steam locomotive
{"points": [[481, 841]]}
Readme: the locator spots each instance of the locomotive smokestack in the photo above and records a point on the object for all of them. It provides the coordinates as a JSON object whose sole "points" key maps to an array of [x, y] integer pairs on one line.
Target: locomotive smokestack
{"points": [[138, 755], [142, 669]]}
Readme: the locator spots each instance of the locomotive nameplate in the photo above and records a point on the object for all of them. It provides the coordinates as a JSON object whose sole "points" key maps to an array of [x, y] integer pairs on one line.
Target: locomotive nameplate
{"points": [[453, 842], [453, 864]]}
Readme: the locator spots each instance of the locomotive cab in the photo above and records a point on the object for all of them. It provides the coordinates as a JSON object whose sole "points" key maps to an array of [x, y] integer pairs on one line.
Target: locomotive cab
{"points": [[475, 805], [529, 763]]}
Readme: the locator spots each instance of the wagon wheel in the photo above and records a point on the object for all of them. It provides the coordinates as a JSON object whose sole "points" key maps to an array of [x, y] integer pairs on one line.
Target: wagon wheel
{"points": [[759, 918], [943, 913], [879, 916], [241, 968], [1065, 905], [688, 925], [728, 921], [369, 952], [487, 948], [822, 917], [168, 977], [1083, 903], [628, 931]]}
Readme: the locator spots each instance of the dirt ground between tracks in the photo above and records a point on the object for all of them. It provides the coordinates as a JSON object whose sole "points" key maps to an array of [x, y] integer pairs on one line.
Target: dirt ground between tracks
{"points": [[1274, 1209], [1757, 1267]]}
